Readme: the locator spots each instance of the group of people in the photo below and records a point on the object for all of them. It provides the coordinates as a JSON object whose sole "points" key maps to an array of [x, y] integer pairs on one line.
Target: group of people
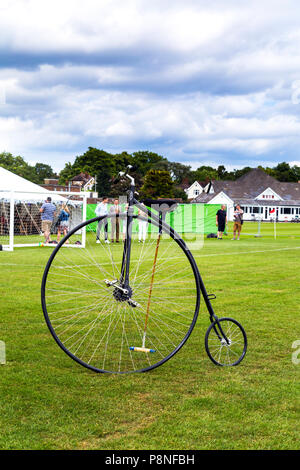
{"points": [[221, 221], [48, 212], [114, 211]]}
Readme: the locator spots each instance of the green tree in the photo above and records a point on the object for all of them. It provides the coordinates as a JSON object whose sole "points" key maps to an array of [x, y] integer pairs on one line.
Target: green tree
{"points": [[296, 173], [158, 184], [43, 171], [205, 174], [284, 172], [106, 167], [67, 173], [241, 172], [18, 166], [121, 161], [179, 193], [120, 186], [179, 172], [95, 162], [143, 161], [221, 170]]}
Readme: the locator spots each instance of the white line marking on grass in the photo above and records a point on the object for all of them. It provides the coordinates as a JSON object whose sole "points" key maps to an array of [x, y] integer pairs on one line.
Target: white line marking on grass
{"points": [[24, 265], [175, 257], [248, 252]]}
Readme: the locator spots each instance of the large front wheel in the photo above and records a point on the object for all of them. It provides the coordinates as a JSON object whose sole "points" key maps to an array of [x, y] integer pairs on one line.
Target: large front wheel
{"points": [[106, 327]]}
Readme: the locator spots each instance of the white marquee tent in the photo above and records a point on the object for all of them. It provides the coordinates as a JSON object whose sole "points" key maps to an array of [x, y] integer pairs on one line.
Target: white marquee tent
{"points": [[23, 189], [20, 202]]}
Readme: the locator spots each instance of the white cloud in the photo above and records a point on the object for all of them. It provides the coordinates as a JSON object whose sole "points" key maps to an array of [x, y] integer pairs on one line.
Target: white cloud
{"points": [[192, 80]]}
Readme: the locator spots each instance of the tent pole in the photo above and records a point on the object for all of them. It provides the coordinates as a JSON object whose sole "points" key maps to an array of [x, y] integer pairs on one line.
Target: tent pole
{"points": [[11, 221]]}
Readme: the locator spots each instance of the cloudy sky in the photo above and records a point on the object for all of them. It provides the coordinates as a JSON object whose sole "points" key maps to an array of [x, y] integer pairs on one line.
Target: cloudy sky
{"points": [[199, 82]]}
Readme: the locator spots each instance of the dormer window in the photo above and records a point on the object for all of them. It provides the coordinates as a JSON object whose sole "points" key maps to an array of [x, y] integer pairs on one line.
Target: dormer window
{"points": [[269, 193]]}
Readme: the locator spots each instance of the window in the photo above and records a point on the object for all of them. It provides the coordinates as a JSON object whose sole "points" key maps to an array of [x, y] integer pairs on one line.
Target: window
{"points": [[287, 210], [196, 192], [255, 210]]}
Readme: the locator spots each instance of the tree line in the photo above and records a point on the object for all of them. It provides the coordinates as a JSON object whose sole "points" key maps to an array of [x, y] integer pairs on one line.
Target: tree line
{"points": [[34, 173], [154, 174]]}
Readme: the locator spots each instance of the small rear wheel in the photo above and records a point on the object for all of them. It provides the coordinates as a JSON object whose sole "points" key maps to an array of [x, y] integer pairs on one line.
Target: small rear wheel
{"points": [[226, 342]]}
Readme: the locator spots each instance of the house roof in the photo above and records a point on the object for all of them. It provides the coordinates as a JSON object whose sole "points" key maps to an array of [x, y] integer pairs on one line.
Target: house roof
{"points": [[195, 182], [84, 177], [204, 197], [251, 185], [268, 202]]}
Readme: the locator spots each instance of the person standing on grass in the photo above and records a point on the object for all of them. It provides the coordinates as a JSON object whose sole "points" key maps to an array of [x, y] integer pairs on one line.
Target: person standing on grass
{"points": [[48, 211], [115, 220], [238, 221], [143, 225], [125, 224], [102, 210], [63, 222], [221, 221]]}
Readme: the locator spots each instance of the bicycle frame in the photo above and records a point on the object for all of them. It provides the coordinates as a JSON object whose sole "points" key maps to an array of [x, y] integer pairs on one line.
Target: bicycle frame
{"points": [[125, 269], [119, 328]]}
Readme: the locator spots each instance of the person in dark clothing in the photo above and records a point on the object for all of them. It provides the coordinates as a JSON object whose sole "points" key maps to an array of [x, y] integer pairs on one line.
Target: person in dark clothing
{"points": [[221, 221], [63, 222]]}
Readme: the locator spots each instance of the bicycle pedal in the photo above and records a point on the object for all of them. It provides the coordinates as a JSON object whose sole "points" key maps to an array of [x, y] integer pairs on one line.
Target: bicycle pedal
{"points": [[110, 283], [133, 303], [145, 350]]}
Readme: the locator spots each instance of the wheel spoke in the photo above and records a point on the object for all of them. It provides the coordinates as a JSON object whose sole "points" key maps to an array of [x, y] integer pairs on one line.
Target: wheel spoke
{"points": [[107, 329], [219, 350]]}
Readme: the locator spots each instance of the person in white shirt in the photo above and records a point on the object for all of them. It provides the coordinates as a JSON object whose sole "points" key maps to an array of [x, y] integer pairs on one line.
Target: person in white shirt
{"points": [[125, 224], [143, 225], [102, 210], [115, 221]]}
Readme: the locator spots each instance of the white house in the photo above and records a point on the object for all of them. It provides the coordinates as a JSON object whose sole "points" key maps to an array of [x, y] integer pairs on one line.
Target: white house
{"points": [[194, 190], [260, 195]]}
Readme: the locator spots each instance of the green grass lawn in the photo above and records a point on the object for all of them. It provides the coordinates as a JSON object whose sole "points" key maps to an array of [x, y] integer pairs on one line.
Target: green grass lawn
{"points": [[50, 402]]}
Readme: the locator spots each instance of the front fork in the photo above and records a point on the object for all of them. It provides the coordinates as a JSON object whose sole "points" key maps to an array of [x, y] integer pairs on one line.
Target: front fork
{"points": [[125, 268], [122, 285], [212, 316]]}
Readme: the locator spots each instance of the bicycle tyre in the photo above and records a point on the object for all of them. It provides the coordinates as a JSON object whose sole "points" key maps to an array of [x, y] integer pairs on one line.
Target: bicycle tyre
{"points": [[216, 346], [166, 348]]}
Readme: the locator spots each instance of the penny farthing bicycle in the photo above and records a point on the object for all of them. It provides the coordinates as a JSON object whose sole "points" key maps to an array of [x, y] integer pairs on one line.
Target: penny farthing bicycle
{"points": [[130, 306]]}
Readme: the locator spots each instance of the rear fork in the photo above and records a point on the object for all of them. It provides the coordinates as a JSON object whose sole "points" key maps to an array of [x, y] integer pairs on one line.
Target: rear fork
{"points": [[212, 316]]}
